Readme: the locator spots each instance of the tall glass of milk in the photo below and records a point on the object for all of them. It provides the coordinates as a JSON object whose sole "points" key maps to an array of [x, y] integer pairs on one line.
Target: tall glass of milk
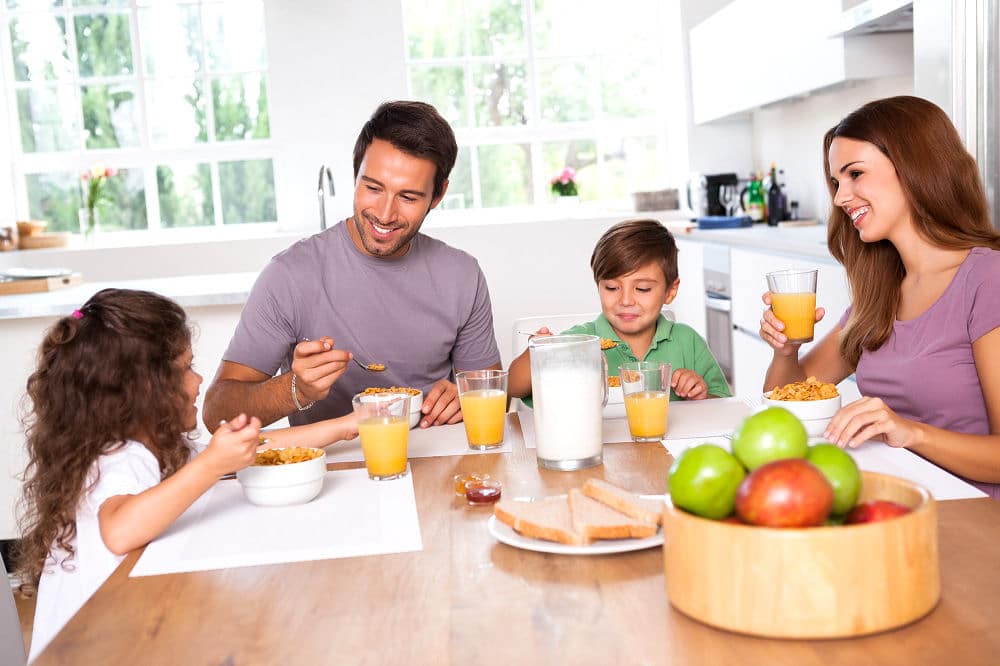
{"points": [[569, 388]]}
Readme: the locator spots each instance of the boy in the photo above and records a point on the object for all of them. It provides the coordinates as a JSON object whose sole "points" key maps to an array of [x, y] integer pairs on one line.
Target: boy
{"points": [[635, 267]]}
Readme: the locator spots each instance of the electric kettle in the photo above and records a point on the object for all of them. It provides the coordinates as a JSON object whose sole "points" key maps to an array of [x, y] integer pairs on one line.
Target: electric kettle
{"points": [[697, 195]]}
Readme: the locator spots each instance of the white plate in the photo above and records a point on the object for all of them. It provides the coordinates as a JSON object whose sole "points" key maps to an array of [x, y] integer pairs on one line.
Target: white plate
{"points": [[32, 273], [505, 534]]}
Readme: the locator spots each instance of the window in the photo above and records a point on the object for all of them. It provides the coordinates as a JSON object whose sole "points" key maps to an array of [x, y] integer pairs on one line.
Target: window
{"points": [[174, 95], [532, 86]]}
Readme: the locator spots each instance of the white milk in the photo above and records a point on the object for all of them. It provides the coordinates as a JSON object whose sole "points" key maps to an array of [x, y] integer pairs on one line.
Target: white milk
{"points": [[567, 406]]}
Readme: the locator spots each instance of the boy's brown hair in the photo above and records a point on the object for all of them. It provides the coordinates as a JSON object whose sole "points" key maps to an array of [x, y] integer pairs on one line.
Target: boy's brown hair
{"points": [[628, 246]]}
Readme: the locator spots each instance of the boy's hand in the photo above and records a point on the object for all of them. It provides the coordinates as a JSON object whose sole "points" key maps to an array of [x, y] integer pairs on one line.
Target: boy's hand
{"points": [[233, 446], [543, 331], [689, 385], [316, 366]]}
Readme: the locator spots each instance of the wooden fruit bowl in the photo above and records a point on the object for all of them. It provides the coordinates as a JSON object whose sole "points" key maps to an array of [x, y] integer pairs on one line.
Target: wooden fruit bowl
{"points": [[818, 582]]}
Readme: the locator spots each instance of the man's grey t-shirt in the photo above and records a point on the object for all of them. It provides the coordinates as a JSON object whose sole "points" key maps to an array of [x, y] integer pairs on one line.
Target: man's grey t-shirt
{"points": [[420, 315]]}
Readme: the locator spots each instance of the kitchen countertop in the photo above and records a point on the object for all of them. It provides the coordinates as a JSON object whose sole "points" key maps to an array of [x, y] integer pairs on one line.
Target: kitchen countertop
{"points": [[807, 241], [188, 291]]}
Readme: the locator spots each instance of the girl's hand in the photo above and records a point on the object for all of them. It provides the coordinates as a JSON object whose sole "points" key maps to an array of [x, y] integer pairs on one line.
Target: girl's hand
{"points": [[771, 329], [233, 446], [689, 385], [871, 418], [350, 424]]}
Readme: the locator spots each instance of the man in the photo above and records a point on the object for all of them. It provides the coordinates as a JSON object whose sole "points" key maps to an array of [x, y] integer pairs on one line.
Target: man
{"points": [[372, 287]]}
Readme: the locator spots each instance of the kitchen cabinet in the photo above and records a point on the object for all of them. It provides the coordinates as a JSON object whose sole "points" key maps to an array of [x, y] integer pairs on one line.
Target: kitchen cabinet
{"points": [[751, 355], [689, 306], [750, 53]]}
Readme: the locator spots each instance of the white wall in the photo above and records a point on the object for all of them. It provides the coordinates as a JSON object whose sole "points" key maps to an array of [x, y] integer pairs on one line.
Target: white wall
{"points": [[791, 135]]}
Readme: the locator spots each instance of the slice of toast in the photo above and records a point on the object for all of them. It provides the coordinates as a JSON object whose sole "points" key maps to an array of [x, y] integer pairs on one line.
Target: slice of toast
{"points": [[547, 519], [628, 503], [595, 520]]}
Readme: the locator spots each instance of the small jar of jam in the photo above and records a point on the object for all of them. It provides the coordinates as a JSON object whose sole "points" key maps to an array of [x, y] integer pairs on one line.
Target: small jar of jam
{"points": [[483, 491], [462, 479]]}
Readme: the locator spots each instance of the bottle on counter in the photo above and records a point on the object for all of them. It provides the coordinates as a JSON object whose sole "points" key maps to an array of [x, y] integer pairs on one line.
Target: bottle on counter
{"points": [[794, 215], [775, 200], [754, 204]]}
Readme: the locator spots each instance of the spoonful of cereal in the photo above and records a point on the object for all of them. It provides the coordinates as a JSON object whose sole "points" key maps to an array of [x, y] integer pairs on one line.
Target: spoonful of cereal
{"points": [[370, 367]]}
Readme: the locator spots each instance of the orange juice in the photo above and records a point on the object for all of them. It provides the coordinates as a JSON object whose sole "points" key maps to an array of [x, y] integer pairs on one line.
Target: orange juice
{"points": [[647, 414], [383, 442], [797, 312], [483, 412]]}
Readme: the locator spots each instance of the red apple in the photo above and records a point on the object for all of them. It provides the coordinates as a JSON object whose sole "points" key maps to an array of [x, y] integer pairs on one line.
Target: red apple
{"points": [[874, 511], [785, 493]]}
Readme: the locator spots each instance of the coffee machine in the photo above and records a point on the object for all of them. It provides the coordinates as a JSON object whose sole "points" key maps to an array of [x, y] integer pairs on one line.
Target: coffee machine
{"points": [[712, 184]]}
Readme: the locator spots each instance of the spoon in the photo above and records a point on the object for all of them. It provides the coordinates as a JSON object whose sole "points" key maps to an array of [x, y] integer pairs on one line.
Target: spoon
{"points": [[370, 367]]}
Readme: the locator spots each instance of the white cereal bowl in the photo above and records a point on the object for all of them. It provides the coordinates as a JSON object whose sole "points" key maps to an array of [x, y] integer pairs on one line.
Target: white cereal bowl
{"points": [[416, 402], [283, 485], [615, 409], [814, 414]]}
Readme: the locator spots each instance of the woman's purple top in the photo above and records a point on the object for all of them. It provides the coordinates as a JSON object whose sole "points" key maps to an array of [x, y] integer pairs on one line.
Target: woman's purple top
{"points": [[925, 371]]}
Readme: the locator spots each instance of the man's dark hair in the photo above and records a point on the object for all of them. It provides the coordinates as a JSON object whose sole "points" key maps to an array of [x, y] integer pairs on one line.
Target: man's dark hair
{"points": [[415, 128]]}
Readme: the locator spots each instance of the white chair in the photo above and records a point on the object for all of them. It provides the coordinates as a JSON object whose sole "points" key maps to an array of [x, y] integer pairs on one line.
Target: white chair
{"points": [[11, 642]]}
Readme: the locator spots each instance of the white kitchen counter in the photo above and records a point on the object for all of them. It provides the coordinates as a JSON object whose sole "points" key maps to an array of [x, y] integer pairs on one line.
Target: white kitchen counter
{"points": [[803, 241], [189, 291]]}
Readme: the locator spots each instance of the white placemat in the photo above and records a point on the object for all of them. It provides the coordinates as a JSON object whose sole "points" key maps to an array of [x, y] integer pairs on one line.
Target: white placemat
{"points": [[698, 418], [352, 516], [875, 457], [443, 440]]}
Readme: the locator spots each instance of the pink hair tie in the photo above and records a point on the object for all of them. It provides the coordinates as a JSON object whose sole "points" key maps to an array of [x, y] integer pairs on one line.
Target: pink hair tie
{"points": [[77, 314]]}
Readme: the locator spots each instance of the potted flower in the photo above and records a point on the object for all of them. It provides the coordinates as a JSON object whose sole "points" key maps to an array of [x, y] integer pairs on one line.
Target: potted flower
{"points": [[564, 184], [95, 193]]}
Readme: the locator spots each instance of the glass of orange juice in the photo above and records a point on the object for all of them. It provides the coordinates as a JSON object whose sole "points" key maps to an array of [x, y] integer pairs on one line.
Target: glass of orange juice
{"points": [[384, 429], [646, 386], [793, 300], [483, 396]]}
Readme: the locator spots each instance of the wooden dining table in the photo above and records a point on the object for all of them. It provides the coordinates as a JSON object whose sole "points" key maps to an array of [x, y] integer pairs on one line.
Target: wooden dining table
{"points": [[466, 598]]}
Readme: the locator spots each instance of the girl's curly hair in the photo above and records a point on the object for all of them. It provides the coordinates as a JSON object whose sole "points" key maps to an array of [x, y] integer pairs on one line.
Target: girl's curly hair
{"points": [[106, 374]]}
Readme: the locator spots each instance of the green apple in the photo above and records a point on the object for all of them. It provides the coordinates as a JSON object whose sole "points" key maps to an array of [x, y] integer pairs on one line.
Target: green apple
{"points": [[841, 471], [703, 480], [772, 434]]}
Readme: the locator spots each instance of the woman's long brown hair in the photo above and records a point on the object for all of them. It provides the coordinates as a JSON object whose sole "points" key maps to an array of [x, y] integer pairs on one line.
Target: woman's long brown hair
{"points": [[102, 378], [943, 188]]}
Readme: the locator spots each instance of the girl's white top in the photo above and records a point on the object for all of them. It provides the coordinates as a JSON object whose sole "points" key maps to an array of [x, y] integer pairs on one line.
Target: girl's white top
{"points": [[63, 590]]}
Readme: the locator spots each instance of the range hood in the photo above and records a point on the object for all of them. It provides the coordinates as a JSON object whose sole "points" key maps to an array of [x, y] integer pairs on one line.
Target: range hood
{"points": [[872, 16]]}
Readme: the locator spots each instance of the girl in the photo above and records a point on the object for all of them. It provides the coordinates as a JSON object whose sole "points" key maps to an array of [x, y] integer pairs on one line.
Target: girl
{"points": [[110, 461], [911, 227]]}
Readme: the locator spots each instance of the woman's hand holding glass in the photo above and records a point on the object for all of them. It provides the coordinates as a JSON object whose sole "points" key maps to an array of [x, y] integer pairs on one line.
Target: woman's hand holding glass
{"points": [[771, 329], [871, 418]]}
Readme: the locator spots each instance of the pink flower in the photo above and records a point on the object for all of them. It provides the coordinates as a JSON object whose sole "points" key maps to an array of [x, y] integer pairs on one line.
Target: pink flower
{"points": [[85, 175], [109, 172]]}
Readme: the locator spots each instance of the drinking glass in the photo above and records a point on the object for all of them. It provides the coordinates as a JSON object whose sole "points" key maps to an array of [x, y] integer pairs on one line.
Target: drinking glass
{"points": [[727, 197], [483, 396], [793, 300], [646, 385], [384, 429]]}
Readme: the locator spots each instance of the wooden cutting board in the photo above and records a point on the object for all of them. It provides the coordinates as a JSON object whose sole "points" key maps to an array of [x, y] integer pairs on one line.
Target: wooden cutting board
{"points": [[33, 285]]}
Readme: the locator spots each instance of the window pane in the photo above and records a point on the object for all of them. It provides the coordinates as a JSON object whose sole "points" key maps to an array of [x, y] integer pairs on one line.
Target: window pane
{"points": [[177, 113], [234, 36], [126, 202], [565, 91], [505, 174], [581, 156], [241, 107], [496, 28], [631, 87], [33, 4], [185, 192], [109, 116], [48, 119], [620, 31], [459, 194], [500, 94], [444, 87], [38, 44], [570, 27], [100, 3], [631, 164], [103, 44], [171, 40], [54, 197], [427, 36], [247, 190]]}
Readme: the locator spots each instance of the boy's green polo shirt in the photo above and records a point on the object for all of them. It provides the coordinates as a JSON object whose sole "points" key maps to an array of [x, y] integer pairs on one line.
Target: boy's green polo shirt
{"points": [[673, 343]]}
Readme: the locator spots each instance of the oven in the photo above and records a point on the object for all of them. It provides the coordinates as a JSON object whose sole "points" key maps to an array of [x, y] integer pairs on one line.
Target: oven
{"points": [[719, 306]]}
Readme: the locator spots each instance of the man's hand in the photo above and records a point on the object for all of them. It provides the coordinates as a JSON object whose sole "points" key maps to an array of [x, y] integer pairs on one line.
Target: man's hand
{"points": [[316, 366], [441, 405]]}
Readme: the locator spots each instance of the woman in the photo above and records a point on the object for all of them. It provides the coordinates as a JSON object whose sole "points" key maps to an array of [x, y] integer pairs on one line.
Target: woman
{"points": [[910, 225]]}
